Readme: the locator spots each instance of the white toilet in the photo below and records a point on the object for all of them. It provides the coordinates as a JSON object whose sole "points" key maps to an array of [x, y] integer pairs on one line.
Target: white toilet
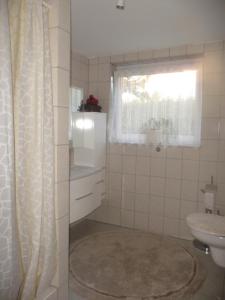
{"points": [[210, 229]]}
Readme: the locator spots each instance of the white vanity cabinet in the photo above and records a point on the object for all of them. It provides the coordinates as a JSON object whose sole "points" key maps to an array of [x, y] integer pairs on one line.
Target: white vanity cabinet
{"points": [[86, 192], [87, 176], [89, 138]]}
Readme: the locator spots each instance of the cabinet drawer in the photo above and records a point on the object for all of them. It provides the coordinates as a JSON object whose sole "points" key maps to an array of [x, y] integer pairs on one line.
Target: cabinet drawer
{"points": [[83, 186], [83, 206]]}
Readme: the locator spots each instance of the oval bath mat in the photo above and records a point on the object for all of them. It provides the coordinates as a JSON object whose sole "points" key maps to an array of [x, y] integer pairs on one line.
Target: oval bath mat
{"points": [[133, 265]]}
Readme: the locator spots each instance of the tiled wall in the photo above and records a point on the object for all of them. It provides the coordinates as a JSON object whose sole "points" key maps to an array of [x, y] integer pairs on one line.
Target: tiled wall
{"points": [[155, 191], [59, 14], [80, 74]]}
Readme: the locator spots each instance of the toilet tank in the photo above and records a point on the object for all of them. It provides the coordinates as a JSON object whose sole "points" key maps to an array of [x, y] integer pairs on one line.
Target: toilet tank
{"points": [[89, 139]]}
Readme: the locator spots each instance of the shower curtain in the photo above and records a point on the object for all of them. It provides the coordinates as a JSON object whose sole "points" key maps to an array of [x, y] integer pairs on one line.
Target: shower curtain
{"points": [[27, 217]]}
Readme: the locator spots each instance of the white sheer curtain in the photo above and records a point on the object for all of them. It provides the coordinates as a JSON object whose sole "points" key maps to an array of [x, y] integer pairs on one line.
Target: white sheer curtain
{"points": [[32, 192], [157, 103], [10, 275]]}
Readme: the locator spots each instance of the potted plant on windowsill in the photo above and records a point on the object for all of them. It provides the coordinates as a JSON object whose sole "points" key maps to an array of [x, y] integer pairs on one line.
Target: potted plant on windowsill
{"points": [[90, 105]]}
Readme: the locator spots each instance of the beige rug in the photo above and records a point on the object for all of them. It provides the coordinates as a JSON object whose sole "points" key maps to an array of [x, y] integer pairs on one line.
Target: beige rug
{"points": [[133, 265]]}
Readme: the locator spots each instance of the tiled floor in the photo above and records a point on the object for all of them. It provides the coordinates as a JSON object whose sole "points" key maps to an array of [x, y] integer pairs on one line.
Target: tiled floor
{"points": [[212, 289]]}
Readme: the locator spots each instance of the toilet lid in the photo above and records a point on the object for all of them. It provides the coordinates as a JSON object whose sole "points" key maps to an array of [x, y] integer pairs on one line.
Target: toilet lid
{"points": [[208, 223]]}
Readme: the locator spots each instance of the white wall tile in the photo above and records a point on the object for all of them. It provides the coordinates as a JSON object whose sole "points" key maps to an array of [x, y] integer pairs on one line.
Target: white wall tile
{"points": [[142, 203], [221, 172], [143, 166], [174, 152], [156, 224], [140, 221], [61, 83], [214, 62], [62, 163], [59, 22], [116, 148], [60, 48], [145, 55], [129, 183], [173, 168], [93, 73], [158, 167], [209, 150], [127, 218], [207, 169], [104, 91], [185, 232], [115, 181], [60, 15], [222, 106], [115, 59], [161, 53], [210, 128], [222, 129], [190, 169], [62, 229], [189, 190], [128, 200], [114, 216], [129, 164], [61, 124], [143, 150], [211, 106], [115, 163], [213, 83], [93, 61], [101, 214], [195, 49], [173, 188], [93, 89], [142, 184], [62, 272], [221, 151], [171, 227], [156, 207], [187, 208], [157, 186], [131, 57], [178, 51], [104, 59], [160, 154], [213, 46], [191, 153], [62, 199], [115, 198], [104, 72], [172, 208], [129, 149]]}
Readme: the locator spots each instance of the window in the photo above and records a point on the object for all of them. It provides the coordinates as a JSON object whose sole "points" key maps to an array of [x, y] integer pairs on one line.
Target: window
{"points": [[76, 96], [157, 103]]}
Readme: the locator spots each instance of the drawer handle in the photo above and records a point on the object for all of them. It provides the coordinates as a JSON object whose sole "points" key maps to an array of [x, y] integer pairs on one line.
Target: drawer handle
{"points": [[82, 197]]}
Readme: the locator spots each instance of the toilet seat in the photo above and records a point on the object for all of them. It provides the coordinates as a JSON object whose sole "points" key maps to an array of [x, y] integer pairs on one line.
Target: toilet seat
{"points": [[207, 223]]}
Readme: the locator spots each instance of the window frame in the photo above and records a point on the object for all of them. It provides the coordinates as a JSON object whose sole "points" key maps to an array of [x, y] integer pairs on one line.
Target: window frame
{"points": [[157, 67]]}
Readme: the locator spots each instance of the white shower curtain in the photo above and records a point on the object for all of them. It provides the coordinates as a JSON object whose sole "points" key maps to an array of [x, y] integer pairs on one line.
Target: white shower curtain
{"points": [[9, 263], [32, 192]]}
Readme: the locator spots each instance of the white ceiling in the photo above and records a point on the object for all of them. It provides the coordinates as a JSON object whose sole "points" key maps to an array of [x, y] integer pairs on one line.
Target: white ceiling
{"points": [[99, 29]]}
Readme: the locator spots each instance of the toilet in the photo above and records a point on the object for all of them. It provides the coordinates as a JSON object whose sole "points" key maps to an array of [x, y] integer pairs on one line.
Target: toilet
{"points": [[210, 229]]}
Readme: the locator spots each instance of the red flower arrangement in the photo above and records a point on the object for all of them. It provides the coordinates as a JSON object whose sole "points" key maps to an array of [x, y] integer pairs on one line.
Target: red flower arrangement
{"points": [[90, 105]]}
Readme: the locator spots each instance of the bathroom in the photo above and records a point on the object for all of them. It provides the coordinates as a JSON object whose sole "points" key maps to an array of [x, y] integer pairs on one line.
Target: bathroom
{"points": [[131, 238]]}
